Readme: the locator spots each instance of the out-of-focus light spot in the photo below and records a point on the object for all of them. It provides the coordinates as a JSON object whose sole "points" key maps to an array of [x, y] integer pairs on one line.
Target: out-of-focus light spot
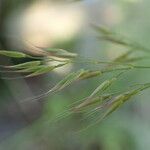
{"points": [[44, 24]]}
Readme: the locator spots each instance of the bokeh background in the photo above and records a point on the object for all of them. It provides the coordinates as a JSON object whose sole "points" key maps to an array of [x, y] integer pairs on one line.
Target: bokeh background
{"points": [[68, 25]]}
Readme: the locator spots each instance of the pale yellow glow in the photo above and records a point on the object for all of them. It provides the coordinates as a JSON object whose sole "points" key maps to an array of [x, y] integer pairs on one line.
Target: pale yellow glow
{"points": [[44, 24]]}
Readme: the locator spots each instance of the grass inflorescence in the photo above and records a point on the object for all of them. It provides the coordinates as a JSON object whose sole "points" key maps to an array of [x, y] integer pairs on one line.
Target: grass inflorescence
{"points": [[99, 101]]}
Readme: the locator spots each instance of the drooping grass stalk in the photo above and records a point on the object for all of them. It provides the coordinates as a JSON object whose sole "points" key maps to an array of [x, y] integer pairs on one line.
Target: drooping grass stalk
{"points": [[97, 101]]}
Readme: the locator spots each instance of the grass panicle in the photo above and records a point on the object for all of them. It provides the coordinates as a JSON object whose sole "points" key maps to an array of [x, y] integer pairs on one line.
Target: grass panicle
{"points": [[99, 103]]}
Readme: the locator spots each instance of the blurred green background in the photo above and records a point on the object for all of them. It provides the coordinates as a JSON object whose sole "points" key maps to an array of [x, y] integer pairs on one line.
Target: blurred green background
{"points": [[66, 24]]}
